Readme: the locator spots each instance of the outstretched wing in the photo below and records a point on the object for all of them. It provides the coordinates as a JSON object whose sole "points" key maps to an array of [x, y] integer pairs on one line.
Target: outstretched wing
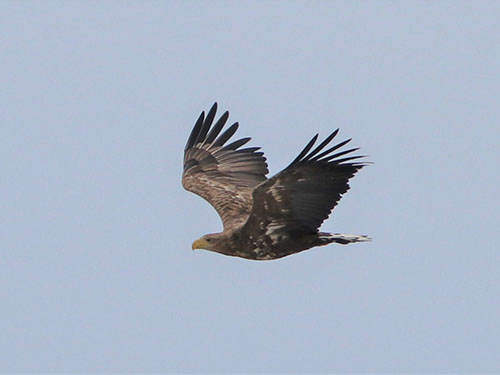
{"points": [[224, 175], [303, 195]]}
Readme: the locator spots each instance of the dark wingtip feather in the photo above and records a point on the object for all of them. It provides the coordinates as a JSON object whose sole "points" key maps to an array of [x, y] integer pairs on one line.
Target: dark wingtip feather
{"points": [[339, 161], [194, 133], [249, 149], [338, 154], [331, 149], [322, 145], [305, 150], [206, 125], [211, 113], [214, 132], [226, 135], [237, 144]]}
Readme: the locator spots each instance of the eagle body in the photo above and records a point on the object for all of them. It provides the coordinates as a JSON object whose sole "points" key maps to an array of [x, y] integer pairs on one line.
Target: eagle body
{"points": [[265, 218], [261, 246]]}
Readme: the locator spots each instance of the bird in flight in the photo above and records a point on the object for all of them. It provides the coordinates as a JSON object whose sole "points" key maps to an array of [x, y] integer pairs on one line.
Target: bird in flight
{"points": [[265, 218]]}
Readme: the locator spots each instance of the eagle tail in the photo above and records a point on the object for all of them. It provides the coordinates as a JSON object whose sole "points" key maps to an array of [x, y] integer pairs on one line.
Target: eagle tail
{"points": [[343, 239]]}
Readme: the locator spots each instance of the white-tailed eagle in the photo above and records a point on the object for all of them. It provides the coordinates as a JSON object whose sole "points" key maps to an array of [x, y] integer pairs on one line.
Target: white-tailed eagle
{"points": [[265, 218]]}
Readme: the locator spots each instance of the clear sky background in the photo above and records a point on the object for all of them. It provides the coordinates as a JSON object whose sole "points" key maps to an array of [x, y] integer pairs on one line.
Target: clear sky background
{"points": [[96, 268]]}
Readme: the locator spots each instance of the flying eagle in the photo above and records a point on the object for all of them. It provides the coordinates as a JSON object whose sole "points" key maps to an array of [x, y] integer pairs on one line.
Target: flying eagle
{"points": [[265, 218]]}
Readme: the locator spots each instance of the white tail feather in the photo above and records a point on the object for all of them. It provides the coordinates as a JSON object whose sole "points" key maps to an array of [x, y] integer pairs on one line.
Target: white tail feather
{"points": [[342, 238]]}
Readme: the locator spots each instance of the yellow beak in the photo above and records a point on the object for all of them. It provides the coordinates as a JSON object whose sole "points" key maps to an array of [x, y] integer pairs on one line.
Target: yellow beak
{"points": [[199, 244]]}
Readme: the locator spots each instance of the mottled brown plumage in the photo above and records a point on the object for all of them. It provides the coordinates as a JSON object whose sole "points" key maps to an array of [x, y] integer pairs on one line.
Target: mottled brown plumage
{"points": [[265, 218]]}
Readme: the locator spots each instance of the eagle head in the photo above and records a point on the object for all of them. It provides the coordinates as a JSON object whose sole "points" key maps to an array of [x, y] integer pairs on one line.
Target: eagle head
{"points": [[207, 242]]}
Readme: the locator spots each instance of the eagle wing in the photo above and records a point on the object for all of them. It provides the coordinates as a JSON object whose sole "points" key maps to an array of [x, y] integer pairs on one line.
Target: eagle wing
{"points": [[224, 175], [303, 195]]}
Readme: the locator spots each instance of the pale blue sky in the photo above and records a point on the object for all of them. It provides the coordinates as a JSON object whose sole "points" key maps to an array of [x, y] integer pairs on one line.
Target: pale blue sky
{"points": [[96, 102]]}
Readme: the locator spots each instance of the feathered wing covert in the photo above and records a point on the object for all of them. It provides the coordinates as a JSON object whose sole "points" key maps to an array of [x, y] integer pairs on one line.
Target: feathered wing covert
{"points": [[303, 195], [224, 175]]}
